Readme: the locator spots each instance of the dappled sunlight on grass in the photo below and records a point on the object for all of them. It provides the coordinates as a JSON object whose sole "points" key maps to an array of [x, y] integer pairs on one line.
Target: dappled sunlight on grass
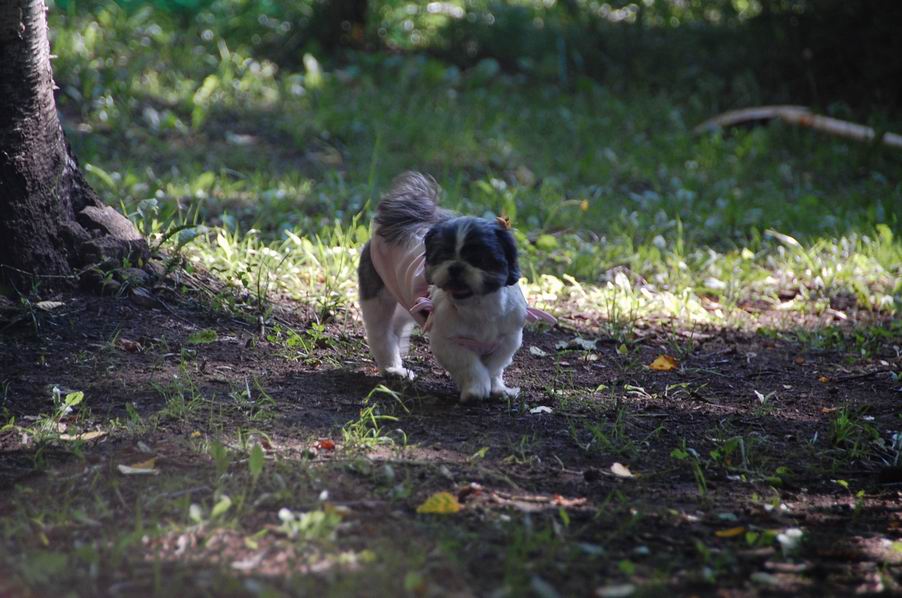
{"points": [[784, 277]]}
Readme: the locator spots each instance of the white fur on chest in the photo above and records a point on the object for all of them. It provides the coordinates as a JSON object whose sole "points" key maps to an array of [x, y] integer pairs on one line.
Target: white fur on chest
{"points": [[485, 318]]}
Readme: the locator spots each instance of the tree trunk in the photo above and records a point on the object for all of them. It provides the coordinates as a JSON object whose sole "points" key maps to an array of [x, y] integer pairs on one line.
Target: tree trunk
{"points": [[52, 224]]}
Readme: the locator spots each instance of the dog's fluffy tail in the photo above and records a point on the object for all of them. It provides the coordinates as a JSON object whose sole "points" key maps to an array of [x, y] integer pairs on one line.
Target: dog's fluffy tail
{"points": [[409, 208]]}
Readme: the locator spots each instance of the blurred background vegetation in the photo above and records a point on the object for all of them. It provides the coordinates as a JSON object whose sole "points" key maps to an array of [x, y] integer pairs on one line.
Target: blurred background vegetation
{"points": [[272, 122]]}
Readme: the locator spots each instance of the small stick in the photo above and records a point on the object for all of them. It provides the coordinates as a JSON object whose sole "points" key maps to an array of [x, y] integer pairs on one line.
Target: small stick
{"points": [[801, 116]]}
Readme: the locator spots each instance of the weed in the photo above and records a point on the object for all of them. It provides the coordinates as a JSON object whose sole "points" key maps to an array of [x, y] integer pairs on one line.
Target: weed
{"points": [[852, 438], [256, 404], [318, 526], [367, 430], [690, 456]]}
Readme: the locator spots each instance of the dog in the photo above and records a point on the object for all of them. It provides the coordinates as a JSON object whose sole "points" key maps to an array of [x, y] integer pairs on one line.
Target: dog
{"points": [[456, 276]]}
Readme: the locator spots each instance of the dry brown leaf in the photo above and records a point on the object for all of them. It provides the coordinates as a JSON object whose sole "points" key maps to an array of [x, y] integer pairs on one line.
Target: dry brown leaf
{"points": [[130, 345], [563, 501], [326, 444], [664, 363]]}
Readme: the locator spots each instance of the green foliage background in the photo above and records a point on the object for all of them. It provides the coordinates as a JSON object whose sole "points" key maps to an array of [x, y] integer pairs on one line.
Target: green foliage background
{"points": [[235, 116]]}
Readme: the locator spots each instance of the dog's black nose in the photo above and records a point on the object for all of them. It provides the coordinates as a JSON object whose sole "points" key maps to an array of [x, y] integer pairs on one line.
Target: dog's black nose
{"points": [[455, 270]]}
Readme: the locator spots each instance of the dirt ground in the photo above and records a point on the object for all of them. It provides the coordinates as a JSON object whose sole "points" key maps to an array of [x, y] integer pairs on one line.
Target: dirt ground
{"points": [[759, 465]]}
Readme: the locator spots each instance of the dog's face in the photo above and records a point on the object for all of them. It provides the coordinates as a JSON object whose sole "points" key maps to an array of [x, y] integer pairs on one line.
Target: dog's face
{"points": [[470, 256]]}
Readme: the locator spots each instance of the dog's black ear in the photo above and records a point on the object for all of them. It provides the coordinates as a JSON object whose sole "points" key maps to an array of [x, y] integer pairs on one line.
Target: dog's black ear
{"points": [[510, 253], [429, 243]]}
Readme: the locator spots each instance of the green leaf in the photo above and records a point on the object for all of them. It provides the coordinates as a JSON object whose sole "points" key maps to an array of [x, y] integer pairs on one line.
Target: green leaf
{"points": [[74, 398], [627, 567], [101, 174], [221, 507], [220, 457], [195, 513], [203, 337], [255, 462], [546, 242]]}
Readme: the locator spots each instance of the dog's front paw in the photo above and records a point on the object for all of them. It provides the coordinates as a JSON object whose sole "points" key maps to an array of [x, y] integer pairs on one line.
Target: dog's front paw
{"points": [[505, 392], [399, 372]]}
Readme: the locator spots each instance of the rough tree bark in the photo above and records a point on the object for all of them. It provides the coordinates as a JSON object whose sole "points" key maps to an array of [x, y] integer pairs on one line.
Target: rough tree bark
{"points": [[52, 224]]}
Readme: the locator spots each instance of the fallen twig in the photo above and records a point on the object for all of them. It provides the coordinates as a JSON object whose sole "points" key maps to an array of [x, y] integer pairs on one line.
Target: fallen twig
{"points": [[800, 116]]}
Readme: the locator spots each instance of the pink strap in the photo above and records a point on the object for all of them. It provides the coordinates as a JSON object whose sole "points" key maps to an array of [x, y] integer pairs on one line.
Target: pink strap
{"points": [[423, 307], [534, 314]]}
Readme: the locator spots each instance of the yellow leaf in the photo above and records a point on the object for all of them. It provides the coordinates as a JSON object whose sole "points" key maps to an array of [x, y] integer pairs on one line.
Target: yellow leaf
{"points": [[144, 467], [823, 379], [440, 503], [195, 434], [664, 363], [730, 532]]}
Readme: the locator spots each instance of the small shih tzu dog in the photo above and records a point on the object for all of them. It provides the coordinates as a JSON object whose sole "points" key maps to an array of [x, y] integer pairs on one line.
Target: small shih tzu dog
{"points": [[456, 276]]}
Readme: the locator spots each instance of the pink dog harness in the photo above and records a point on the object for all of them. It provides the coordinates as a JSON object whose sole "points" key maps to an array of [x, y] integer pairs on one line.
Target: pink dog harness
{"points": [[403, 271]]}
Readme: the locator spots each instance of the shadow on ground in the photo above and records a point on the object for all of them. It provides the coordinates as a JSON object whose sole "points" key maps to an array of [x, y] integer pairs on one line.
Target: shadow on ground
{"points": [[757, 464]]}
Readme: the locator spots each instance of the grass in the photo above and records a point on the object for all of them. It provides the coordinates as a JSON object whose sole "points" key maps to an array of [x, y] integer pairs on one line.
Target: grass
{"points": [[644, 238], [620, 210]]}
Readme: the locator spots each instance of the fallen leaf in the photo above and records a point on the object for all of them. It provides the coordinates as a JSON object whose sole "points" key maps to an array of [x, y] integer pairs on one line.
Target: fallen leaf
{"points": [[823, 379], [130, 346], [471, 490], [584, 344], [790, 540], [664, 363], [142, 468], [799, 360], [568, 502], [83, 436], [537, 352], [730, 532], [577, 343], [621, 471], [616, 591], [48, 305], [326, 444], [440, 503], [195, 434], [249, 563]]}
